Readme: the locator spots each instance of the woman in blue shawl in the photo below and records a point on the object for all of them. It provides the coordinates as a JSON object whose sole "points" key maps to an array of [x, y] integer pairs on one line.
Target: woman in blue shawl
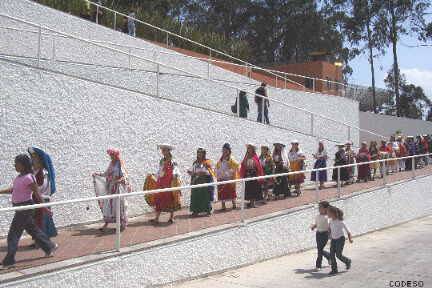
{"points": [[44, 173]]}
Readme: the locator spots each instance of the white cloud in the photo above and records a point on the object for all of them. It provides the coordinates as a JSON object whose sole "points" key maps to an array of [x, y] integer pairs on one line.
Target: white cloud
{"points": [[420, 77]]}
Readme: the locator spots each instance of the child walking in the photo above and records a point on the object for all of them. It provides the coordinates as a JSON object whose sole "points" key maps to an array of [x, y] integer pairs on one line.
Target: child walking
{"points": [[24, 187], [337, 227], [322, 233]]}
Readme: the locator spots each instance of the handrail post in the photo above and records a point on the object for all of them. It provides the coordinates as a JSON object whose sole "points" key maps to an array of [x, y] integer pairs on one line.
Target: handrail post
{"points": [[312, 124], [276, 82], [97, 14], [115, 21], [167, 39], [39, 45], [242, 204], [285, 82], [157, 79], [385, 172], [238, 103], [313, 84], [118, 224], [413, 166], [129, 59], [53, 48], [338, 182], [317, 198]]}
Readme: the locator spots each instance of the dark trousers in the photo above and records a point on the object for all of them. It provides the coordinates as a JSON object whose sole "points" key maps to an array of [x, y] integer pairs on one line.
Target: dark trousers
{"points": [[23, 220], [321, 240], [260, 110], [336, 249]]}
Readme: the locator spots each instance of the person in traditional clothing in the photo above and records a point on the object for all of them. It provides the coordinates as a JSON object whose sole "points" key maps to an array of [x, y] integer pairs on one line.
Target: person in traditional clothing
{"points": [[384, 154], [201, 172], [168, 176], [44, 173], [395, 154], [267, 163], [282, 165], [116, 182], [350, 155], [374, 156], [402, 152], [227, 168], [320, 162], [425, 143], [251, 167], [391, 163], [340, 160], [296, 159], [363, 169]]}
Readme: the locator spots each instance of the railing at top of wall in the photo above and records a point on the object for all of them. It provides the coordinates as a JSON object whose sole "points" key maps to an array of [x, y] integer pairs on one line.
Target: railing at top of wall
{"points": [[382, 162], [159, 64]]}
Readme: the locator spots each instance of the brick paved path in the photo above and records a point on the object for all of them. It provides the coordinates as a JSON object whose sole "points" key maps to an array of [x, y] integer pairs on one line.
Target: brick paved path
{"points": [[87, 239]]}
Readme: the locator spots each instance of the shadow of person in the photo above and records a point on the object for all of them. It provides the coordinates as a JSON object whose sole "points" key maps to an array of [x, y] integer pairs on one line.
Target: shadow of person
{"points": [[313, 274]]}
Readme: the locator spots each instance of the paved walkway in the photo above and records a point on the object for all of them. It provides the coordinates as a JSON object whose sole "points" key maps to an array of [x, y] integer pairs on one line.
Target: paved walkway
{"points": [[84, 240], [401, 253]]}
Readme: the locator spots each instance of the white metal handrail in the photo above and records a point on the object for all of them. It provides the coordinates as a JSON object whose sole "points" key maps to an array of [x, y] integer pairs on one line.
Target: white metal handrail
{"points": [[241, 180], [99, 6], [129, 54]]}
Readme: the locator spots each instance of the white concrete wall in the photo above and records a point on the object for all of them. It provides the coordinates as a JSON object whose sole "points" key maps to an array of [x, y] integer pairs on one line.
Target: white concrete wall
{"points": [[238, 246], [388, 125]]}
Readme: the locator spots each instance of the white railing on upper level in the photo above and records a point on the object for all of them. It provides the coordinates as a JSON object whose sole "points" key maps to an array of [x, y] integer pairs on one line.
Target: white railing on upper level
{"points": [[383, 164], [159, 64]]}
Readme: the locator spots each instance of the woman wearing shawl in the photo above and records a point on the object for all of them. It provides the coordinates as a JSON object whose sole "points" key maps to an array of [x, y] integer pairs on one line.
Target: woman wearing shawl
{"points": [[296, 158], [44, 173], [116, 182], [281, 165], [268, 167], [374, 155], [384, 153], [168, 176], [201, 172], [320, 162], [363, 169], [251, 167], [340, 160], [227, 168], [350, 156]]}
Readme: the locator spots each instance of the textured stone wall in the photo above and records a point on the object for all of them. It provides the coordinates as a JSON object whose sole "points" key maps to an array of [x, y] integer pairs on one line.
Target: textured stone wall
{"points": [[243, 245]]}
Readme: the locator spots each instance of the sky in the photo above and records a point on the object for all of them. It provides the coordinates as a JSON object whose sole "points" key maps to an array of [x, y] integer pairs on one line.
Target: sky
{"points": [[415, 63]]}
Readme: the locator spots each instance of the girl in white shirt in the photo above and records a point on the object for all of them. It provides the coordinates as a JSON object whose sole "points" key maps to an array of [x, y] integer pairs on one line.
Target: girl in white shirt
{"points": [[336, 229], [322, 233]]}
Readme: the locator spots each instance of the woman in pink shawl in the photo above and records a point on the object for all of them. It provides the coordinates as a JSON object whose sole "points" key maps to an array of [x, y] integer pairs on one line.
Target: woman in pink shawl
{"points": [[116, 180], [251, 167]]}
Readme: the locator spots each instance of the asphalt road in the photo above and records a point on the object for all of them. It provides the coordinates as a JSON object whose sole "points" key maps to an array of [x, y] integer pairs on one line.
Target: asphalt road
{"points": [[387, 258]]}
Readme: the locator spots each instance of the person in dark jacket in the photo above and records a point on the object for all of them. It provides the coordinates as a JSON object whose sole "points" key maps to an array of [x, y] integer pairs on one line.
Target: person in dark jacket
{"points": [[260, 102]]}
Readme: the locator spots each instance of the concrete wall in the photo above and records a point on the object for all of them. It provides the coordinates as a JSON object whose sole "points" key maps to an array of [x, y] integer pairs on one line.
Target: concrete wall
{"points": [[243, 245], [388, 125]]}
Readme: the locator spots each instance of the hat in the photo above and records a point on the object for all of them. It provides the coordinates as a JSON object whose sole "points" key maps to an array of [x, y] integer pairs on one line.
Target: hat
{"points": [[364, 143], [227, 146], [250, 144], [348, 143], [295, 141], [166, 146], [265, 146], [340, 145], [277, 143]]}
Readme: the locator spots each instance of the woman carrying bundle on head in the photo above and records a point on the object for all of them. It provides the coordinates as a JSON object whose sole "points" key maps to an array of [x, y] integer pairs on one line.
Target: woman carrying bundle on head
{"points": [[227, 168], [168, 176], [113, 181], [201, 172]]}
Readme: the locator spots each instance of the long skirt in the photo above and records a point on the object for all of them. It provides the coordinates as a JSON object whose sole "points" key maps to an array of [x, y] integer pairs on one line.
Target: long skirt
{"points": [[322, 175], [163, 201], [296, 178], [201, 198], [227, 192], [252, 188], [343, 174], [281, 186], [109, 206], [44, 221], [363, 171]]}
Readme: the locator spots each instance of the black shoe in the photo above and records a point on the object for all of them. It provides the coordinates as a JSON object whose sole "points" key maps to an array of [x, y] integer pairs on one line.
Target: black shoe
{"points": [[348, 265], [332, 273]]}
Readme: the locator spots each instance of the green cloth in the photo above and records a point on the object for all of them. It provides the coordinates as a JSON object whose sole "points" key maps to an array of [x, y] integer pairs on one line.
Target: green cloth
{"points": [[244, 106], [201, 197]]}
